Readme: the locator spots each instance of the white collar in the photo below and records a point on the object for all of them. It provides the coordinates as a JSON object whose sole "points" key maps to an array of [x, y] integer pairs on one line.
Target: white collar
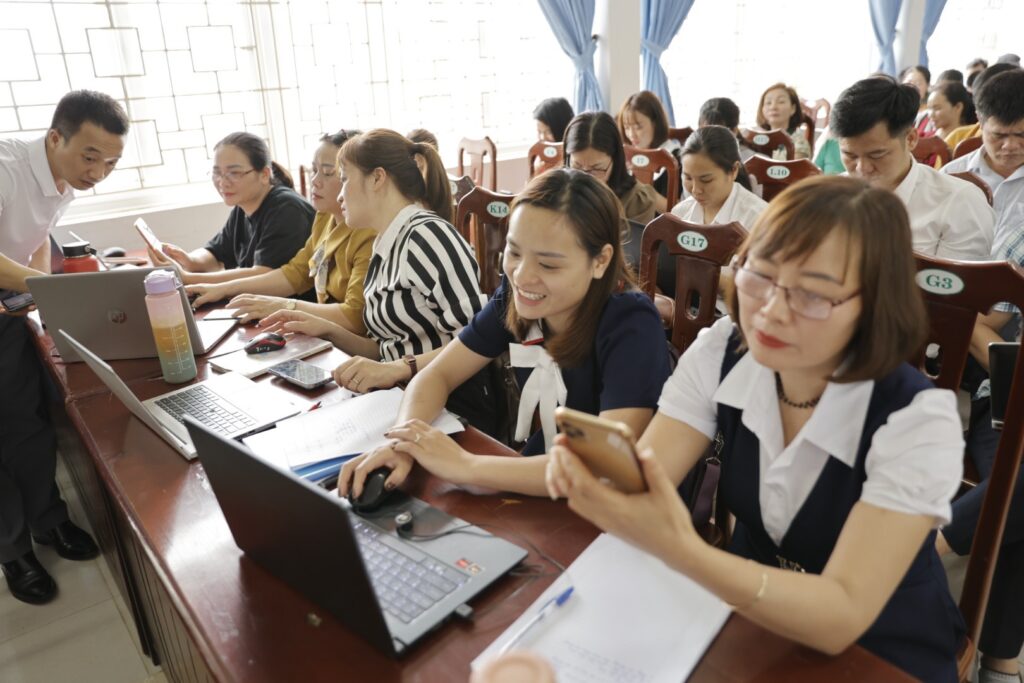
{"points": [[41, 169], [835, 426], [905, 190], [385, 240], [977, 159], [729, 205]]}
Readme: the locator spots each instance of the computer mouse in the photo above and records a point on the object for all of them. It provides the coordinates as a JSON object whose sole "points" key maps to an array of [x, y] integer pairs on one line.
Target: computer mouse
{"points": [[374, 494], [266, 342], [113, 252]]}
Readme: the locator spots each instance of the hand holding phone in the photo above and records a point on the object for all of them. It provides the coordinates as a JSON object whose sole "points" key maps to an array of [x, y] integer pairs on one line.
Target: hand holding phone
{"points": [[305, 375], [14, 302], [147, 236], [606, 447]]}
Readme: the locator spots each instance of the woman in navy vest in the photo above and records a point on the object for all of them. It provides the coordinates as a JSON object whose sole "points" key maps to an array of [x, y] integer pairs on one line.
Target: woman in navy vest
{"points": [[840, 459]]}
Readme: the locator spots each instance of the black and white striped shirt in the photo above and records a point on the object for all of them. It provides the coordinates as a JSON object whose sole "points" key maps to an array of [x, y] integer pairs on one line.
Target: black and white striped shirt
{"points": [[422, 286]]}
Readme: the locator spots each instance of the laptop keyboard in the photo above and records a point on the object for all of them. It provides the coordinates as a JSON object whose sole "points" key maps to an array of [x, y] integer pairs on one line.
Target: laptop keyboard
{"points": [[404, 586], [208, 408]]}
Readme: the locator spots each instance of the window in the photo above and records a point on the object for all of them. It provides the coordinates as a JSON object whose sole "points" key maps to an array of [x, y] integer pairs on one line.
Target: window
{"points": [[289, 70], [975, 28]]}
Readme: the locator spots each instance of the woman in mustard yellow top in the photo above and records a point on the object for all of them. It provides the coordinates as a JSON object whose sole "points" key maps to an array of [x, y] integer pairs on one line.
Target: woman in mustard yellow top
{"points": [[333, 260]]}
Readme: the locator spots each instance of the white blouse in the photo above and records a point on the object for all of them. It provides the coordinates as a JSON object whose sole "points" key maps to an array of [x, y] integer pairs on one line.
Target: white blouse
{"points": [[742, 206], [914, 463]]}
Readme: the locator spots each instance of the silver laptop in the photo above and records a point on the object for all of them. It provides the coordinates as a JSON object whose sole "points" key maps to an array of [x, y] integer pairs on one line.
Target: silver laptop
{"points": [[390, 590], [229, 404], [106, 311]]}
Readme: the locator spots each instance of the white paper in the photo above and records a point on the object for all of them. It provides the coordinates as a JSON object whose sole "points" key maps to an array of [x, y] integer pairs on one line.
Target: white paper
{"points": [[349, 427], [630, 618]]}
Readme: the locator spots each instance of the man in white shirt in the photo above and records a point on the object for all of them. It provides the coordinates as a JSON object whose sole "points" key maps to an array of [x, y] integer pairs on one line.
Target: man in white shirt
{"points": [[1000, 159], [37, 179], [874, 121]]}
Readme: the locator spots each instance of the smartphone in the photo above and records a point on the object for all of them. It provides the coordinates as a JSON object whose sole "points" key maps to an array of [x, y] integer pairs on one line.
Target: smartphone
{"points": [[15, 301], [306, 375], [607, 447], [147, 235]]}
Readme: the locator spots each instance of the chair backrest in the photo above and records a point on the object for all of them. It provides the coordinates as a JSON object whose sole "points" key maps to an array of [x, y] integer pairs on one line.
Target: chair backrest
{"points": [[644, 164], [303, 182], [966, 146], [460, 187], [767, 141], [934, 145], [680, 134], [819, 110], [772, 177], [478, 151], [955, 293], [976, 179], [544, 156], [482, 218], [699, 251]]}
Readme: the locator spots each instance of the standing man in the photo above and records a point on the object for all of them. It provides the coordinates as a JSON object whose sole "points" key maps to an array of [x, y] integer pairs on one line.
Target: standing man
{"points": [[37, 179]]}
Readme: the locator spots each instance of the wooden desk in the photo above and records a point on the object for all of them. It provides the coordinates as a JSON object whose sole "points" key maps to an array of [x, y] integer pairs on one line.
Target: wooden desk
{"points": [[206, 612]]}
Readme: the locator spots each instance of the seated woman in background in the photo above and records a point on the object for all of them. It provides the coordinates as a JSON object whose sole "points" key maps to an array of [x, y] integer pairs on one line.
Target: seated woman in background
{"points": [[578, 333], [593, 145], [268, 223], [721, 111], [643, 123], [921, 78], [552, 116], [422, 284], [716, 181], [840, 459], [950, 106], [779, 109], [333, 261]]}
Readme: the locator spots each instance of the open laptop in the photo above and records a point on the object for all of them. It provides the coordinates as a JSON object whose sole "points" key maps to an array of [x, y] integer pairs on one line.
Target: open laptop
{"points": [[230, 404], [390, 590], [106, 311], [1002, 362]]}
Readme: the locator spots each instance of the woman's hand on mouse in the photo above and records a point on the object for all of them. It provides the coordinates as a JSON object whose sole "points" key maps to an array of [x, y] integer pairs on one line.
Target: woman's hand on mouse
{"points": [[284, 321], [360, 374], [433, 449], [353, 473], [655, 521], [256, 306]]}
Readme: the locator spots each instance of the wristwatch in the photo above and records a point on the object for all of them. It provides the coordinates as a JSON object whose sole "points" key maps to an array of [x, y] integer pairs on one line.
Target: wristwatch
{"points": [[410, 360], [289, 304]]}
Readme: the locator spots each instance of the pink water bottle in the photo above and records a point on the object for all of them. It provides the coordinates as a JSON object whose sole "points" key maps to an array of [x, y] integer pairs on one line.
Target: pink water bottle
{"points": [[170, 332]]}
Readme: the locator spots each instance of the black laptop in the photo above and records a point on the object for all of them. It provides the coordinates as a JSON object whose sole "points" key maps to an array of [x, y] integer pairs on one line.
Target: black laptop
{"points": [[390, 590]]}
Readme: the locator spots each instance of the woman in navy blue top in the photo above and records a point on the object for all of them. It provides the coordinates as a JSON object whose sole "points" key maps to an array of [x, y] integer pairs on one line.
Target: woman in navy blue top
{"points": [[839, 459], [576, 330]]}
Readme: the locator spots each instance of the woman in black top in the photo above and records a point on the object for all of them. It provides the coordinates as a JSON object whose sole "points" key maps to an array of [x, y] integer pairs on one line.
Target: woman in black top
{"points": [[268, 223]]}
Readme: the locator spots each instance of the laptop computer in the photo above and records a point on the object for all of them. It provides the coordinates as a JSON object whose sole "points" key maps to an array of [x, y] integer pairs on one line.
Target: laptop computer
{"points": [[230, 404], [1002, 362], [106, 311], [389, 590]]}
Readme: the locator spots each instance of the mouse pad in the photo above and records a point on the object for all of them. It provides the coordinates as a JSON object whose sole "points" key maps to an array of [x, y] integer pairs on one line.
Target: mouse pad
{"points": [[253, 365]]}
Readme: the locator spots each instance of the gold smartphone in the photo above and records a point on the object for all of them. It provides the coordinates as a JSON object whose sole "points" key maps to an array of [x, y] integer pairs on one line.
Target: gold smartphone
{"points": [[607, 447]]}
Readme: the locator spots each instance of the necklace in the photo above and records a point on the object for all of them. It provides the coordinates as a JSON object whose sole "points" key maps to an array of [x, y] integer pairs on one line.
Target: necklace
{"points": [[793, 404]]}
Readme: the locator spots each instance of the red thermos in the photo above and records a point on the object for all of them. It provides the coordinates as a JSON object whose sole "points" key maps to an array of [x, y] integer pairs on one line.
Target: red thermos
{"points": [[78, 258]]}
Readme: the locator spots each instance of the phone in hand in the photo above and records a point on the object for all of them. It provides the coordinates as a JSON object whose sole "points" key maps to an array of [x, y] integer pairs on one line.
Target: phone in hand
{"points": [[16, 301], [607, 447], [147, 236], [305, 375]]}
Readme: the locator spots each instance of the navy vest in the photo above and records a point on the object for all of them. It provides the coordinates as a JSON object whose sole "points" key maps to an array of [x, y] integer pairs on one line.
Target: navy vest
{"points": [[920, 628]]}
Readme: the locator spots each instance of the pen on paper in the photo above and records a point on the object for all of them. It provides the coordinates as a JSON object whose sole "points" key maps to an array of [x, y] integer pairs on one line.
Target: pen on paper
{"points": [[549, 607]]}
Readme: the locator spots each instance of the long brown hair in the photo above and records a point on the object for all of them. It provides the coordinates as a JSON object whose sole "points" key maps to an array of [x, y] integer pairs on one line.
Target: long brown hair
{"points": [[798, 113], [396, 155], [595, 215], [647, 103], [893, 323]]}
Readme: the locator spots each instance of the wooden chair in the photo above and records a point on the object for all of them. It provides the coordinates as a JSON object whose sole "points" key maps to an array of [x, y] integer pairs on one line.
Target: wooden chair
{"points": [[478, 152], [955, 293], [766, 142], [700, 251], [773, 177], [966, 146], [482, 218], [303, 181], [460, 187], [931, 147], [644, 164], [975, 179], [544, 156], [819, 110], [680, 134]]}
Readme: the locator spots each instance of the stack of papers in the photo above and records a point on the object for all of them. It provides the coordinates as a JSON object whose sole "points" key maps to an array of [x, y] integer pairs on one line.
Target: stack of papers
{"points": [[315, 444], [630, 618]]}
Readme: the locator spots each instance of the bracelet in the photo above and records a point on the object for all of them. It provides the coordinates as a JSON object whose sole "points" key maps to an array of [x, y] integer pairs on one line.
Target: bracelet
{"points": [[410, 360], [760, 593]]}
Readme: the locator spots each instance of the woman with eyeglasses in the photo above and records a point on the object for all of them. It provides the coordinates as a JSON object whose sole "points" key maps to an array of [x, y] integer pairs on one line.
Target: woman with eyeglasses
{"points": [[332, 262], [839, 459], [268, 223], [593, 145]]}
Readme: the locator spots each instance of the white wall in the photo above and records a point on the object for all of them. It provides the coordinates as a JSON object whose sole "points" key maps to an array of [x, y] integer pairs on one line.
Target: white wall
{"points": [[617, 61]]}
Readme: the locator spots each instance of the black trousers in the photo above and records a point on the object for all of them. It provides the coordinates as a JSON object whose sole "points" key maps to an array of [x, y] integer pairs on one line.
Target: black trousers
{"points": [[29, 499], [1002, 634]]}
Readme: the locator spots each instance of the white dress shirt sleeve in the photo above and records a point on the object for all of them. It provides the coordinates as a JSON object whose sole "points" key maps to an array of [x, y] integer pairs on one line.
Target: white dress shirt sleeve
{"points": [[915, 462], [688, 395], [971, 223]]}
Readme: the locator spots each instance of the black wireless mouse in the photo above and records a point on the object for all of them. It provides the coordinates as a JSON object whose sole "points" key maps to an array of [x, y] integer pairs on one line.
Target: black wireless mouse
{"points": [[374, 494], [113, 252], [263, 343]]}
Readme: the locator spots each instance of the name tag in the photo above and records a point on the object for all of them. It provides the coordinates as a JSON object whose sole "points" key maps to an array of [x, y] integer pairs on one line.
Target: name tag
{"points": [[777, 172], [692, 241], [761, 139], [939, 281], [498, 209], [550, 152], [640, 160]]}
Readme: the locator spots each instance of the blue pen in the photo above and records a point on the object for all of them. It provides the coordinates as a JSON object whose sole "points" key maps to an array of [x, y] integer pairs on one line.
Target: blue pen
{"points": [[542, 614]]}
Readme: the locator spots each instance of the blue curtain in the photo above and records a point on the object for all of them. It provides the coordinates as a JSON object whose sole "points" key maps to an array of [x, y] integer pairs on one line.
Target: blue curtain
{"points": [[884, 15], [572, 22], [932, 12], [660, 21]]}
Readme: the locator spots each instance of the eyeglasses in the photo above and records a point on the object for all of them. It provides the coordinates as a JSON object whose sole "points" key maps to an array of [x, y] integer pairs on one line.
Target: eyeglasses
{"points": [[593, 170], [800, 301], [230, 176]]}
